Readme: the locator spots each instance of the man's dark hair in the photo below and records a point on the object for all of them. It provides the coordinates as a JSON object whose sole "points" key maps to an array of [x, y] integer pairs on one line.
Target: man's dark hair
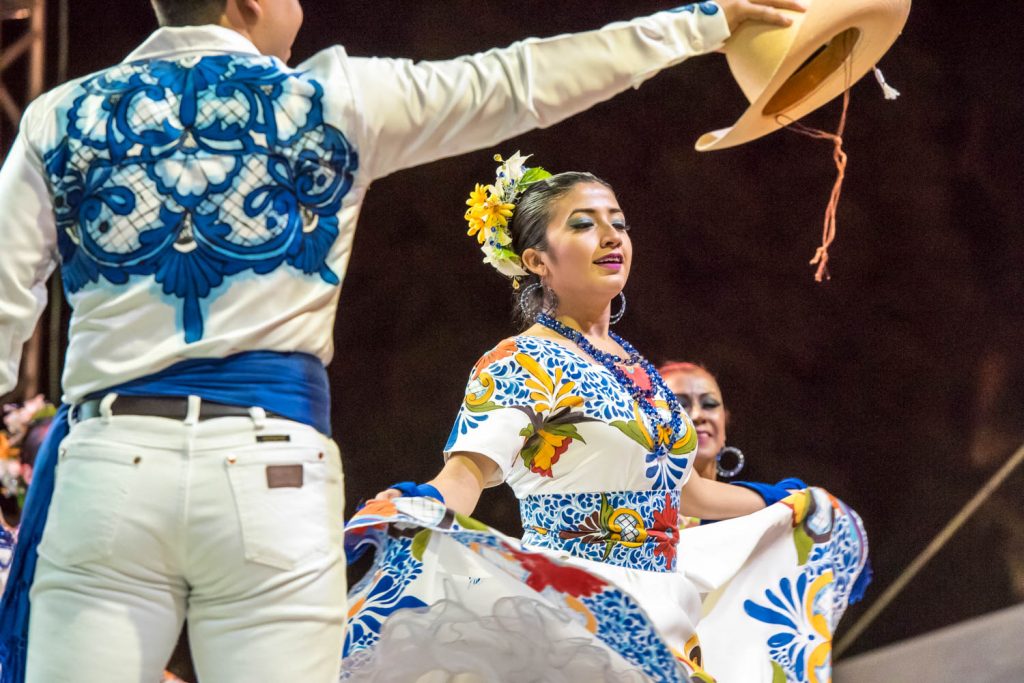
{"points": [[188, 12]]}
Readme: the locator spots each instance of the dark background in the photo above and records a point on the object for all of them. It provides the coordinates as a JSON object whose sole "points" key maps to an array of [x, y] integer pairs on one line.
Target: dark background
{"points": [[898, 385]]}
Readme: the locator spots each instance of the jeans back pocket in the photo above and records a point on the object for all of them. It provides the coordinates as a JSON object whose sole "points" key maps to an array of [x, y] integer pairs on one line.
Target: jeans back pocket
{"points": [[93, 483], [289, 502]]}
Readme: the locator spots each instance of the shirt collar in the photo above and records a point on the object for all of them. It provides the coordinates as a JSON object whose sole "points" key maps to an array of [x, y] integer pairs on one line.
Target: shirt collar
{"points": [[170, 41]]}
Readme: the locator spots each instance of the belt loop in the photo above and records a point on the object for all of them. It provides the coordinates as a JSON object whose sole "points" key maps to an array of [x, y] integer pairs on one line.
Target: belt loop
{"points": [[106, 404], [192, 416], [73, 415], [259, 417]]}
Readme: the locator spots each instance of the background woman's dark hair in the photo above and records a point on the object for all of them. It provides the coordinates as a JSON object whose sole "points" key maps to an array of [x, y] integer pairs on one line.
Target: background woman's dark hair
{"points": [[188, 12], [529, 230]]}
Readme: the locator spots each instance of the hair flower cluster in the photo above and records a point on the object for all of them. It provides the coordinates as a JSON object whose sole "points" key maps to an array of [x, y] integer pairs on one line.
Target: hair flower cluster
{"points": [[491, 207]]}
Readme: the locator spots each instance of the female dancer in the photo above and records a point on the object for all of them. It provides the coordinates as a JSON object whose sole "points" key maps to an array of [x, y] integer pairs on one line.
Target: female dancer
{"points": [[698, 393], [601, 455]]}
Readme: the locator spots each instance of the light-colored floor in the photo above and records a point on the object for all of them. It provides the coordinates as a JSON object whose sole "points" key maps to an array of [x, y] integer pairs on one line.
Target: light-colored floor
{"points": [[989, 649]]}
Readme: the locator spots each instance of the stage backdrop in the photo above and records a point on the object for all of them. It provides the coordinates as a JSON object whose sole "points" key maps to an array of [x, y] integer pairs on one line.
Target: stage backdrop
{"points": [[899, 384]]}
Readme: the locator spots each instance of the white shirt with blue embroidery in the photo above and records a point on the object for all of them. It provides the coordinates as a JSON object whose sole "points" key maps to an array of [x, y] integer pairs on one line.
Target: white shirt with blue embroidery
{"points": [[201, 199]]}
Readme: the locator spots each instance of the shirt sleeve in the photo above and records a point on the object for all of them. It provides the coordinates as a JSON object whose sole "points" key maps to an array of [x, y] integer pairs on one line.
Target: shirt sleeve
{"points": [[492, 417], [412, 113], [28, 256]]}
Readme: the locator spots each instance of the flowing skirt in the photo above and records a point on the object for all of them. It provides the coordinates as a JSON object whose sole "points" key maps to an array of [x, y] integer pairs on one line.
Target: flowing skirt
{"points": [[751, 599]]}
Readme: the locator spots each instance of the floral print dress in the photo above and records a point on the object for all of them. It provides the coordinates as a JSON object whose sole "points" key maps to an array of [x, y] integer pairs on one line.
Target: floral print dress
{"points": [[603, 585]]}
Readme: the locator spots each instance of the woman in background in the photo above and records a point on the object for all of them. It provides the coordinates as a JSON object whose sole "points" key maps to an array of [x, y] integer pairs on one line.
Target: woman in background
{"points": [[698, 393]]}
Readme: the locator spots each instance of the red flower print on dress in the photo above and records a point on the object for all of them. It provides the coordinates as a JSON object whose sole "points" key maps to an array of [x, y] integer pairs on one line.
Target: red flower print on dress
{"points": [[665, 532], [564, 579]]}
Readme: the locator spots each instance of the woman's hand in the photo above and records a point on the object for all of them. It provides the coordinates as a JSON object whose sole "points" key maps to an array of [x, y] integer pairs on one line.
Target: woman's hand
{"points": [[767, 11], [388, 494]]}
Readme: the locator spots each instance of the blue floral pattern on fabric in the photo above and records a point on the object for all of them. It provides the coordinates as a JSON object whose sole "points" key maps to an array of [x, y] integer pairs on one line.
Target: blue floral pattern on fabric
{"points": [[800, 648], [845, 554], [617, 619], [394, 570], [626, 625], [195, 170], [636, 529], [558, 389], [805, 606]]}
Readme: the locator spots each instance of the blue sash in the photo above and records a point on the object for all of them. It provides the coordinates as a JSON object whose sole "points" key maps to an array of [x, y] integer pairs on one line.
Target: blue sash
{"points": [[293, 385]]}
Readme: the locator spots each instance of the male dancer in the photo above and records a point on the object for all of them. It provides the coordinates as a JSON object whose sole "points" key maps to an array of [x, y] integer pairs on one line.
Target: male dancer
{"points": [[201, 198]]}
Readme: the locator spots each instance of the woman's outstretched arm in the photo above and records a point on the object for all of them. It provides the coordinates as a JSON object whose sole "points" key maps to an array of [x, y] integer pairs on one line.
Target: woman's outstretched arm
{"points": [[460, 481], [709, 499]]}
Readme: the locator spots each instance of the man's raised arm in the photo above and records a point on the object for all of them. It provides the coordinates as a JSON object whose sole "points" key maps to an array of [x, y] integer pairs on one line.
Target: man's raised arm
{"points": [[411, 113]]}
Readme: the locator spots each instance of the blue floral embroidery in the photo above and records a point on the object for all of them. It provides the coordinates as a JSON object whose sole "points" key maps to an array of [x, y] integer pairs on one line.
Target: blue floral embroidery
{"points": [[846, 554], [397, 577], [195, 170], [463, 424]]}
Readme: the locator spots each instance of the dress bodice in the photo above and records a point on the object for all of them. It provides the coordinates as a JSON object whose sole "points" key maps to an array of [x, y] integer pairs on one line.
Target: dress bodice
{"points": [[555, 422]]}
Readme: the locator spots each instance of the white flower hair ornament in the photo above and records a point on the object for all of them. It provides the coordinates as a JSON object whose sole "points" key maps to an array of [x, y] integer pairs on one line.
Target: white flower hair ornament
{"points": [[491, 207]]}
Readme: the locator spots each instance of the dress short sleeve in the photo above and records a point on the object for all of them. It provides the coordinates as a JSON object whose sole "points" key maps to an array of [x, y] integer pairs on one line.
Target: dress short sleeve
{"points": [[489, 421]]}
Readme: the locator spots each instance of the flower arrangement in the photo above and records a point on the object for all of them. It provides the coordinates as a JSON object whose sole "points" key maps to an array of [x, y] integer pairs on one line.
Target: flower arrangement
{"points": [[15, 475], [491, 207]]}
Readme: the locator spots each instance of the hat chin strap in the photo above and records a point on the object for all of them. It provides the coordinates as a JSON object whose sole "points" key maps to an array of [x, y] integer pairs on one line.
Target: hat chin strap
{"points": [[839, 156]]}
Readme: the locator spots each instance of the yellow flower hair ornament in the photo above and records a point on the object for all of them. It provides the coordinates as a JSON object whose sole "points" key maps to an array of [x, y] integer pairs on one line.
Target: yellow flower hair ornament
{"points": [[491, 207]]}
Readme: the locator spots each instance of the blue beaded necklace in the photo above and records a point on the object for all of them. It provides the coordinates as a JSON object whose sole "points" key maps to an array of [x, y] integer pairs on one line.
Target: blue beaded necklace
{"points": [[644, 397]]}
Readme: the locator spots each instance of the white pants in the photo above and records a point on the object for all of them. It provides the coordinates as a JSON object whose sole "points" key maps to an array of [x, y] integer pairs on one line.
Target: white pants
{"points": [[235, 523]]}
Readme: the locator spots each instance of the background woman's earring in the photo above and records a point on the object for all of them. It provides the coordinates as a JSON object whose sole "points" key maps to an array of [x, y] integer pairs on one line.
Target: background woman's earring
{"points": [[729, 453], [621, 312]]}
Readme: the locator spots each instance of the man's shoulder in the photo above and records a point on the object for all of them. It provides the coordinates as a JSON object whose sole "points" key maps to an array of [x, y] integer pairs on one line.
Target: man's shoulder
{"points": [[47, 106], [326, 63]]}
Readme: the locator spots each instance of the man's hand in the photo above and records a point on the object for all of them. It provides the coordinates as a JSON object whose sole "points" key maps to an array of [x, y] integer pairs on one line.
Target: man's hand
{"points": [[766, 11]]}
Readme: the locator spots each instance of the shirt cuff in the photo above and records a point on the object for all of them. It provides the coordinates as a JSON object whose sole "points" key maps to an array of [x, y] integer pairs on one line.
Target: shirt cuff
{"points": [[684, 32]]}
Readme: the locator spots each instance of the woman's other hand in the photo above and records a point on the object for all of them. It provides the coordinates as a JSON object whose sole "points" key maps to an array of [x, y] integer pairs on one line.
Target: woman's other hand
{"points": [[388, 494]]}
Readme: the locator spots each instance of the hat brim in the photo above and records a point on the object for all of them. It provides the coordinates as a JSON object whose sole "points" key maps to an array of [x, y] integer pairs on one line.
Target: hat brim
{"points": [[874, 28]]}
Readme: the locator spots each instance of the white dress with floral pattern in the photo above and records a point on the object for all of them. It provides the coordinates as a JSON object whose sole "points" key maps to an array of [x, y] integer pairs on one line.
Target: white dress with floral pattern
{"points": [[603, 585]]}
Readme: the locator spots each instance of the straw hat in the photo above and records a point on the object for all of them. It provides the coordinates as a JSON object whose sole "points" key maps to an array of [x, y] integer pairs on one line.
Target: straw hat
{"points": [[789, 72]]}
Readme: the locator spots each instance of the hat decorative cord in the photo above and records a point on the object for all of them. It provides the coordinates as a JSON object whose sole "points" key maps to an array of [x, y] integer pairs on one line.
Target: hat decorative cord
{"points": [[889, 92], [839, 156]]}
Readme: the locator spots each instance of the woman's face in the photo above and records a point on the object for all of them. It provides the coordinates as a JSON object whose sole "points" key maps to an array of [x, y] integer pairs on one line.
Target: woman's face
{"points": [[700, 397], [589, 252]]}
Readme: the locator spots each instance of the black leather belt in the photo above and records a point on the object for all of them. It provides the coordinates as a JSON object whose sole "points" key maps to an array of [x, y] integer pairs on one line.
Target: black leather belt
{"points": [[173, 407]]}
